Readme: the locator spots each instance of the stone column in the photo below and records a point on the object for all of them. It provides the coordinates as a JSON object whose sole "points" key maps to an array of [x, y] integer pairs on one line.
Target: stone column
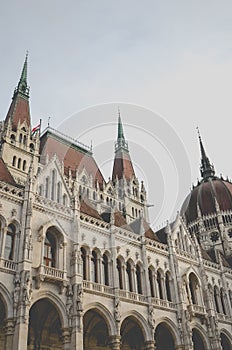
{"points": [[9, 331], [115, 342], [66, 339], [150, 345]]}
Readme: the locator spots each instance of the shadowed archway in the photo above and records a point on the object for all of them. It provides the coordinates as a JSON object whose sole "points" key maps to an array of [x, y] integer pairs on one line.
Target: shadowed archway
{"points": [[2, 321], [225, 342], [95, 331], [45, 330], [132, 337], [163, 338], [198, 341]]}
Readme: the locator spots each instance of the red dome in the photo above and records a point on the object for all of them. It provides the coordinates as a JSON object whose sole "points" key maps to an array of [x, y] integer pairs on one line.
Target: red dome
{"points": [[204, 194]]}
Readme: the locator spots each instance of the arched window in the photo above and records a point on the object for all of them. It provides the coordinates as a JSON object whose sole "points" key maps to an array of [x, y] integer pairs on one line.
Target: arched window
{"points": [[151, 281], [32, 147], [53, 191], [20, 138], [12, 138], [59, 192], [193, 286], [50, 250], [159, 282], [94, 261], [139, 279], [216, 298], [129, 276], [94, 195], [24, 165], [9, 242], [14, 161], [222, 295], [40, 190], [84, 263], [64, 199], [24, 140], [167, 285], [119, 268], [105, 263], [19, 163]]}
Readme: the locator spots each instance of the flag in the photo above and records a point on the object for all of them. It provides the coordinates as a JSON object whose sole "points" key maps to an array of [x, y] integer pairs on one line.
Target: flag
{"points": [[35, 129]]}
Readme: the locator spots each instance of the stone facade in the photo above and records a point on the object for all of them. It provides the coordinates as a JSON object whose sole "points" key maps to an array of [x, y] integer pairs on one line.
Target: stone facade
{"points": [[80, 268]]}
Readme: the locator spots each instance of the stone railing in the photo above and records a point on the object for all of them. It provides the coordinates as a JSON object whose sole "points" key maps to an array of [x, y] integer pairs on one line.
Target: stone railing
{"points": [[196, 309], [8, 264], [97, 287], [163, 303], [132, 296], [50, 274]]}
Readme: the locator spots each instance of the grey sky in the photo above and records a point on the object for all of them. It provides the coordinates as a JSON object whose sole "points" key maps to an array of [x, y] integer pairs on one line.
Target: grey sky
{"points": [[171, 57]]}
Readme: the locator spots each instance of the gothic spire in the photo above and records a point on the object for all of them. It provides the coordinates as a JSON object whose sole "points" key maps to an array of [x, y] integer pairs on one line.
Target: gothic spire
{"points": [[121, 142], [120, 128], [22, 87], [122, 163], [207, 169]]}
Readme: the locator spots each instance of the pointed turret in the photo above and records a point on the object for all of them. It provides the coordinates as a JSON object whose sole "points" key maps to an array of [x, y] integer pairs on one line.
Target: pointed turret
{"points": [[207, 169], [123, 167], [22, 87], [19, 110]]}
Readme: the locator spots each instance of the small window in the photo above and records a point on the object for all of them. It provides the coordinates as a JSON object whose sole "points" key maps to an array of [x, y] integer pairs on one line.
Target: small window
{"points": [[19, 163], [14, 161], [24, 165]]}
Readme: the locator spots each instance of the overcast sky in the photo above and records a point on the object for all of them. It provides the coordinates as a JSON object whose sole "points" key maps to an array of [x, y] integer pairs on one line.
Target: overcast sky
{"points": [[167, 64]]}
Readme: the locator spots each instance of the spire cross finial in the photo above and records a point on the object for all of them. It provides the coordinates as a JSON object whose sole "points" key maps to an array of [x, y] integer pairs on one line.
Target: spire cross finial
{"points": [[207, 169]]}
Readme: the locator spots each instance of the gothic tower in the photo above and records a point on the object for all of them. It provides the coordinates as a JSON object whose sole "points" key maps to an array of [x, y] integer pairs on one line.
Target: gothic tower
{"points": [[19, 148], [127, 185]]}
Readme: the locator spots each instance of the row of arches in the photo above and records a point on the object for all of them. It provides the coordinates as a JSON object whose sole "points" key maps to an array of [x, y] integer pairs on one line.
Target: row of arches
{"points": [[45, 331], [53, 189]]}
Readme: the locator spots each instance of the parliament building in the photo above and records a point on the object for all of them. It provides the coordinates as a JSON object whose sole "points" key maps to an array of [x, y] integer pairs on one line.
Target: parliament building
{"points": [[80, 267]]}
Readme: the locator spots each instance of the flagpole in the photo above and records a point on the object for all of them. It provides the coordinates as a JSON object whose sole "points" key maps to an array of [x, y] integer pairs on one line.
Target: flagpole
{"points": [[40, 124]]}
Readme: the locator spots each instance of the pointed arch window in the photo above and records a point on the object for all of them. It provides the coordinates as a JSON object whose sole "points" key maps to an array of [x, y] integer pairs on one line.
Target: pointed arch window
{"points": [[84, 263], [53, 184], [59, 192], [139, 279], [159, 282], [9, 242], [105, 263], [119, 268], [129, 276], [216, 298], [94, 260], [167, 285], [150, 275], [50, 250]]}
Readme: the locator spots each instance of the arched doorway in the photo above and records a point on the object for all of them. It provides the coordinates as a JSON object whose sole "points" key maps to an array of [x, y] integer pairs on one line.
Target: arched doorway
{"points": [[225, 342], [96, 332], [132, 337], [44, 330], [198, 342], [163, 338], [2, 321]]}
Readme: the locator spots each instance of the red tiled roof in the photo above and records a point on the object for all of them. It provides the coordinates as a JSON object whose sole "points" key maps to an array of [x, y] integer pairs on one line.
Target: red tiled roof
{"points": [[89, 210], [123, 166], [19, 111], [73, 157], [5, 174]]}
